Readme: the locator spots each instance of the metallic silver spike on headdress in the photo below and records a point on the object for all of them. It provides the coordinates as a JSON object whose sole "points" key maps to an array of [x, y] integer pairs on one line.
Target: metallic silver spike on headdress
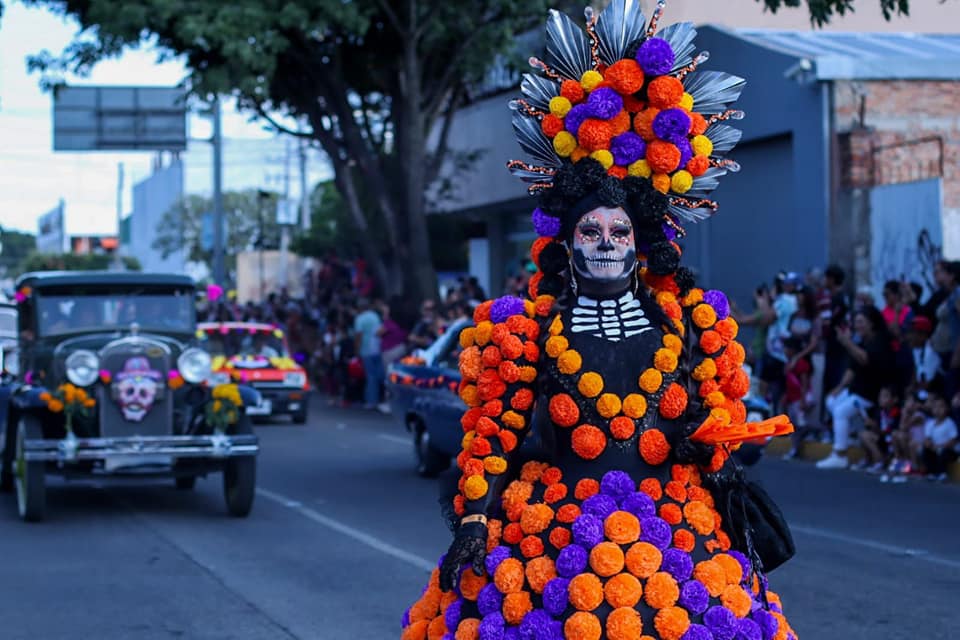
{"points": [[568, 50], [619, 25]]}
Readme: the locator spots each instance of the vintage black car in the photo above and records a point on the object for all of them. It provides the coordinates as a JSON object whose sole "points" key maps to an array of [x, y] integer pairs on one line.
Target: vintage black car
{"points": [[110, 382], [423, 391]]}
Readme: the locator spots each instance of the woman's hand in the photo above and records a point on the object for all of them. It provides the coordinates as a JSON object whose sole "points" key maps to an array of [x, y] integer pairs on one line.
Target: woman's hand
{"points": [[469, 546]]}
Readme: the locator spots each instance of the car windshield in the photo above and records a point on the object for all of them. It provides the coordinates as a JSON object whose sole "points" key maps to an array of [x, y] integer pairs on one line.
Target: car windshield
{"points": [[242, 342], [172, 311]]}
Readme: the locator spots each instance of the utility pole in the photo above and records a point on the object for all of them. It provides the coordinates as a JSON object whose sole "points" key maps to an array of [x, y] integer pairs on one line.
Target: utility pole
{"points": [[285, 227], [117, 260], [304, 196], [219, 274]]}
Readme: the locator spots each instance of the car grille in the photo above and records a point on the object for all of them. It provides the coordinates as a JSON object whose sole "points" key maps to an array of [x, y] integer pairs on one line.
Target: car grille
{"points": [[137, 402]]}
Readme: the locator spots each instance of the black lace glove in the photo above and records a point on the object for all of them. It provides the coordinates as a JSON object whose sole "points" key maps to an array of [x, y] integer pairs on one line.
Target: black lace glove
{"points": [[469, 546], [687, 451]]}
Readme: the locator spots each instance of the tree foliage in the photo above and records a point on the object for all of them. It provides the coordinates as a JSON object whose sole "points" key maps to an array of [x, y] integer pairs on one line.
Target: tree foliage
{"points": [[250, 222], [15, 246], [823, 11], [73, 262]]}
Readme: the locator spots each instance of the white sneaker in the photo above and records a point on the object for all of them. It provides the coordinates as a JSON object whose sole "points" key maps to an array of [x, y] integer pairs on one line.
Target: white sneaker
{"points": [[833, 461], [899, 479], [875, 468], [384, 408]]}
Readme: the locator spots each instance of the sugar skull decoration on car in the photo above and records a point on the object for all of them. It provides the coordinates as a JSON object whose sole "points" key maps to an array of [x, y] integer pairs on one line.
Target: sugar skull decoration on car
{"points": [[136, 387]]}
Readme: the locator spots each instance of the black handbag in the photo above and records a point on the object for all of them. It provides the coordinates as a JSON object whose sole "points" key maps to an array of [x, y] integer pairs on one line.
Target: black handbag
{"points": [[752, 520]]}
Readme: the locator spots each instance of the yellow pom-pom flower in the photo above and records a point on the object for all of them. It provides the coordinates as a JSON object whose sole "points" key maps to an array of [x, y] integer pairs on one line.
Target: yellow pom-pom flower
{"points": [[590, 79], [704, 316], [665, 297], [674, 343], [604, 157], [556, 345], [482, 336], [469, 396], [705, 370], [661, 182], [702, 145], [681, 182], [494, 465], [715, 399], [686, 102], [514, 420], [564, 144], [569, 362], [590, 385], [560, 106], [467, 439], [475, 488], [608, 405], [556, 327], [634, 406], [468, 337], [639, 169], [693, 298], [650, 380], [665, 360], [722, 416]]}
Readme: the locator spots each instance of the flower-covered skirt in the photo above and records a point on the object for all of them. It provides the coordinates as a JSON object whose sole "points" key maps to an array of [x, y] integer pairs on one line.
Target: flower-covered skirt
{"points": [[606, 558]]}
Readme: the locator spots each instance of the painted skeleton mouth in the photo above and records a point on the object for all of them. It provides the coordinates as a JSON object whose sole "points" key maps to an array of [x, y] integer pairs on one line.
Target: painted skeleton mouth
{"points": [[605, 263]]}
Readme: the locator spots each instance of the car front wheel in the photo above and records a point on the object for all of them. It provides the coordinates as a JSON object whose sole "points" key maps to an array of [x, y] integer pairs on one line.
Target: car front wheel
{"points": [[29, 477], [240, 477]]}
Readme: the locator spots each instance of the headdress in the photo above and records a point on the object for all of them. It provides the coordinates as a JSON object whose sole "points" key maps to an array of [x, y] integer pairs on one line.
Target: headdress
{"points": [[622, 115]]}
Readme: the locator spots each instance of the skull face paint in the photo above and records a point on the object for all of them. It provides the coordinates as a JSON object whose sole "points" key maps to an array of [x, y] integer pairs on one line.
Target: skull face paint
{"points": [[603, 246]]}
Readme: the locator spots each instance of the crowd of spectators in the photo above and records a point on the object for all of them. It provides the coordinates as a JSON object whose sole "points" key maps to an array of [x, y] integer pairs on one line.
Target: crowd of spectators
{"points": [[344, 334], [882, 375]]}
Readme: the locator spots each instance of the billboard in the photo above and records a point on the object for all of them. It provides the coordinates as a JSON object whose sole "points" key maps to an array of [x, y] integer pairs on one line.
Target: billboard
{"points": [[50, 230], [119, 119]]}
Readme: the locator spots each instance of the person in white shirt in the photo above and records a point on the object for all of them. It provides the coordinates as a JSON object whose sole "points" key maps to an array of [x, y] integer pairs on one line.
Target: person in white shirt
{"points": [[939, 439], [926, 361]]}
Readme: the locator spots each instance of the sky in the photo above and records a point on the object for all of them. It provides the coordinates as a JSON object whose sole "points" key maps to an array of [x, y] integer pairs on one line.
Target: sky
{"points": [[33, 178]]}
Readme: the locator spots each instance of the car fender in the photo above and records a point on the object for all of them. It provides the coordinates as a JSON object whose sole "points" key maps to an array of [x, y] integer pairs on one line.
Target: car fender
{"points": [[27, 398], [249, 395]]}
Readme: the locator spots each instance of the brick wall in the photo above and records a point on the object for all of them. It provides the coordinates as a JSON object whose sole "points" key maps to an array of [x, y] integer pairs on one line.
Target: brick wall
{"points": [[897, 112]]}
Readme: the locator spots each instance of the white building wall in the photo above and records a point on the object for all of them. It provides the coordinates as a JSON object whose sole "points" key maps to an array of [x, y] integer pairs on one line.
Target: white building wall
{"points": [[152, 198]]}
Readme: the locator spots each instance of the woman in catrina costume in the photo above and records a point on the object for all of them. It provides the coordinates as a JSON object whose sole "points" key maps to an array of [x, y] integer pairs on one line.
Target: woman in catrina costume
{"points": [[631, 522]]}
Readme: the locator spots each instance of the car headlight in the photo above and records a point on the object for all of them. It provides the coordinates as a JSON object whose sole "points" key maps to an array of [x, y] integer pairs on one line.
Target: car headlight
{"points": [[83, 367], [294, 379], [194, 365], [219, 378]]}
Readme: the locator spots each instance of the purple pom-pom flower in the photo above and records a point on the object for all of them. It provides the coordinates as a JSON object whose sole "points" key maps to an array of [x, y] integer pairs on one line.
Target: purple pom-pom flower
{"points": [[769, 625], [697, 632], [536, 625], [747, 629], [671, 124], [572, 560], [575, 117], [721, 622], [405, 620], [639, 504], [511, 633], [744, 564], [451, 615], [627, 148], [669, 232], [718, 300], [694, 597], [489, 599], [506, 307], [556, 596], [588, 530], [617, 484], [492, 626], [686, 151], [495, 557], [656, 531], [677, 563], [656, 57], [604, 103], [545, 224], [599, 505]]}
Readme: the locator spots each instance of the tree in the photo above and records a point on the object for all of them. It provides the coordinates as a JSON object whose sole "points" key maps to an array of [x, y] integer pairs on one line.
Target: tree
{"points": [[250, 222], [369, 80], [73, 262], [15, 246], [822, 11]]}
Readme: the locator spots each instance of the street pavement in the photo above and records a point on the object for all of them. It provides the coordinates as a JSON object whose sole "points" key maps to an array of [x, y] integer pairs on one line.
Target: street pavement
{"points": [[343, 534]]}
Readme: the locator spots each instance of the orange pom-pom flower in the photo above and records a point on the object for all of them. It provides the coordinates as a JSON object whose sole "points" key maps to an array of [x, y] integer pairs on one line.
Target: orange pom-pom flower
{"points": [[654, 447], [663, 157], [665, 92], [588, 441], [625, 76]]}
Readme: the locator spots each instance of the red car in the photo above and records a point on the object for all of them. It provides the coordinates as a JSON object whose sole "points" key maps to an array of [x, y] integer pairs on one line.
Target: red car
{"points": [[256, 355]]}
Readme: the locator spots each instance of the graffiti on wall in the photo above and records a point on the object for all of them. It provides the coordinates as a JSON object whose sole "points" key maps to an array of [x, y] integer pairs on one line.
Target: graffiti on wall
{"points": [[907, 233]]}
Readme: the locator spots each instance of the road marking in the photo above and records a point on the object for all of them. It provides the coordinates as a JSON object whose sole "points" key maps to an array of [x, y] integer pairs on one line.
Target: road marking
{"points": [[919, 554], [358, 535], [397, 439]]}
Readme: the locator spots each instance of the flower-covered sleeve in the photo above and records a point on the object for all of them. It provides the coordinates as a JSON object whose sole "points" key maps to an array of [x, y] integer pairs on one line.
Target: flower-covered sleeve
{"points": [[498, 366], [712, 375]]}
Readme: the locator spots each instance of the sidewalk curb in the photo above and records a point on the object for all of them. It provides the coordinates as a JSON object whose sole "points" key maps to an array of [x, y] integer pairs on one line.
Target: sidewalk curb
{"points": [[814, 451]]}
